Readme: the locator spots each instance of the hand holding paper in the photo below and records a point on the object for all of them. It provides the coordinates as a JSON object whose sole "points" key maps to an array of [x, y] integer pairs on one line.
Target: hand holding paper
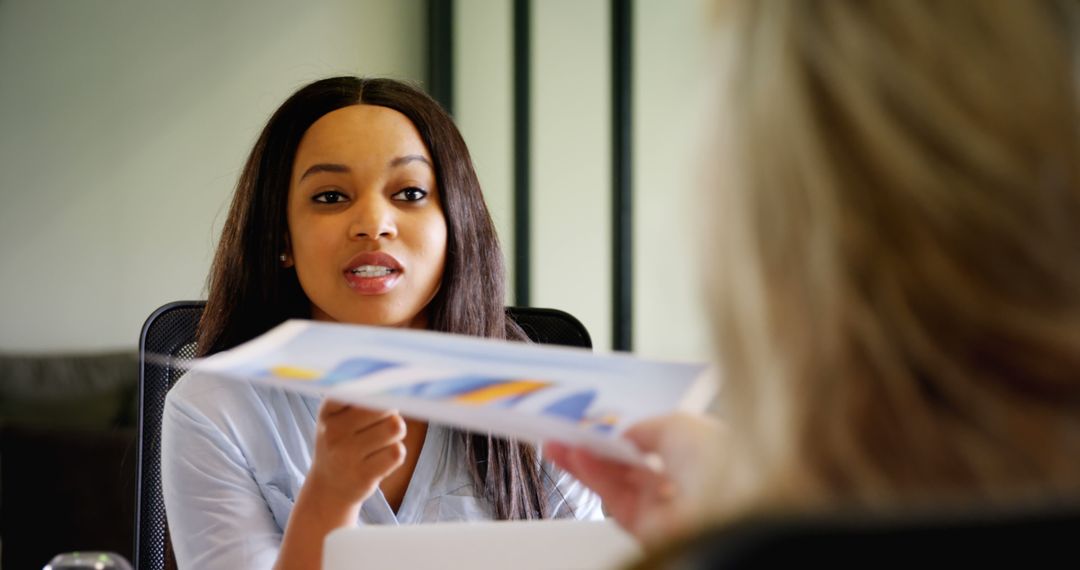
{"points": [[523, 391], [654, 505]]}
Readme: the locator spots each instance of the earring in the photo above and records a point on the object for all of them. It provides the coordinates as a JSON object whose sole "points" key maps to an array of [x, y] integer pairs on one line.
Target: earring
{"points": [[283, 257]]}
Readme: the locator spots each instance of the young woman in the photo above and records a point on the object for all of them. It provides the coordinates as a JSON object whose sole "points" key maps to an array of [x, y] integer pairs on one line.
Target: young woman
{"points": [[358, 204], [896, 290]]}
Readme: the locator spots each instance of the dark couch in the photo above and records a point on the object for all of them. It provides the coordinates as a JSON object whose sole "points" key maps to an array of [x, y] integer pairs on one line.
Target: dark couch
{"points": [[67, 455]]}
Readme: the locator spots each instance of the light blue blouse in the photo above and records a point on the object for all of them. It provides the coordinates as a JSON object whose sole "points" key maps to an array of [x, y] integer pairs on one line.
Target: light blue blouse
{"points": [[234, 456]]}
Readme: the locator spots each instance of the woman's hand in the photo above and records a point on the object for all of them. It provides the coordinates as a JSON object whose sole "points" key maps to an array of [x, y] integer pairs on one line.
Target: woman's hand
{"points": [[355, 449], [652, 505]]}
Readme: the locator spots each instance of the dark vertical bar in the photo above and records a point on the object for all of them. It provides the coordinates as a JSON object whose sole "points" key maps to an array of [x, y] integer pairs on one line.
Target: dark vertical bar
{"points": [[622, 46], [522, 72], [440, 20]]}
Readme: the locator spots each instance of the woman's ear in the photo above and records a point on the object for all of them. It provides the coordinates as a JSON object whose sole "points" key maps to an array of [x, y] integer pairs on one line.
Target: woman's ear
{"points": [[286, 257]]}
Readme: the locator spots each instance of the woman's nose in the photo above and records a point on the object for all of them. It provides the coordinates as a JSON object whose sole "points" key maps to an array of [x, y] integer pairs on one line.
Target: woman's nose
{"points": [[373, 218]]}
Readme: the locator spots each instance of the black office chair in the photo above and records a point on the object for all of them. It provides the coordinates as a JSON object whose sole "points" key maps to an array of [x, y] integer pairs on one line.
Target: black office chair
{"points": [[170, 332]]}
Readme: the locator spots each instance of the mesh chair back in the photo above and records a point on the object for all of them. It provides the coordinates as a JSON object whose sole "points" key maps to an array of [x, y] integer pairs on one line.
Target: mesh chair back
{"points": [[167, 343], [551, 326]]}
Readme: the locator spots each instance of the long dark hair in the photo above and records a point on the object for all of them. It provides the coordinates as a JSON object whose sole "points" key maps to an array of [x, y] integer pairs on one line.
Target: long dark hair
{"points": [[250, 292]]}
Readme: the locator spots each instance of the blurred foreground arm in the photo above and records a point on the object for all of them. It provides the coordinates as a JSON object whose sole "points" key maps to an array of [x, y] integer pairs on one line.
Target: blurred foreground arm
{"points": [[652, 505]]}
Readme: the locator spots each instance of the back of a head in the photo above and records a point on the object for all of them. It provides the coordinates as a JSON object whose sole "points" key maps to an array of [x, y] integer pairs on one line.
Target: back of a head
{"points": [[897, 296]]}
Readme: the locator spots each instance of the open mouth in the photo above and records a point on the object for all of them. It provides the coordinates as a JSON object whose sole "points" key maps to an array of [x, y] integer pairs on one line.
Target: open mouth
{"points": [[369, 271], [373, 272]]}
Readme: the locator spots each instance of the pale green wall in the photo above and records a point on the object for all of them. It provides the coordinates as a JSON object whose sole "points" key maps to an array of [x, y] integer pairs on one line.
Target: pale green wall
{"points": [[123, 126], [571, 158], [484, 106], [571, 161], [671, 42]]}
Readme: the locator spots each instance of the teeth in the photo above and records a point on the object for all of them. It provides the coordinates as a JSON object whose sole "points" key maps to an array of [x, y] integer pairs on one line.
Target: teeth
{"points": [[372, 271]]}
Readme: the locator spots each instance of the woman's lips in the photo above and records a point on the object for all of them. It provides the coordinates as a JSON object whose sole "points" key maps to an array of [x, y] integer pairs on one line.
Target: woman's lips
{"points": [[373, 273]]}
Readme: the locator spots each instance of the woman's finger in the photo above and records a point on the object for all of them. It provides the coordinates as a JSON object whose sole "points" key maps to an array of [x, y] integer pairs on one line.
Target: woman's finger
{"points": [[607, 477], [331, 408], [351, 419], [386, 432], [651, 435], [385, 460]]}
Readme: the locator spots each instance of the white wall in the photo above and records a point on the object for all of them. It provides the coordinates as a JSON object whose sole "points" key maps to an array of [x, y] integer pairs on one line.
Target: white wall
{"points": [[484, 107], [571, 157], [123, 127], [571, 162], [671, 40]]}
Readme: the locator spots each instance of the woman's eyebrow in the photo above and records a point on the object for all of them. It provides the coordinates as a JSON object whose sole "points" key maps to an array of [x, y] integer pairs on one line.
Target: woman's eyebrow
{"points": [[402, 160], [325, 167]]}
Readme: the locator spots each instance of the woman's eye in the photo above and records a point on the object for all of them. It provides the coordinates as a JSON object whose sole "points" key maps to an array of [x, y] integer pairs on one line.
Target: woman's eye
{"points": [[410, 195], [329, 197]]}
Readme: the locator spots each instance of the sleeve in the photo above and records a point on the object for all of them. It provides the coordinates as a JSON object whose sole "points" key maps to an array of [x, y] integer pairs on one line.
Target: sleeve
{"points": [[217, 515], [568, 498]]}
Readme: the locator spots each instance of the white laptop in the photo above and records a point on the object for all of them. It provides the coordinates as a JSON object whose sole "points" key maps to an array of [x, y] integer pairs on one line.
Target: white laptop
{"points": [[525, 545]]}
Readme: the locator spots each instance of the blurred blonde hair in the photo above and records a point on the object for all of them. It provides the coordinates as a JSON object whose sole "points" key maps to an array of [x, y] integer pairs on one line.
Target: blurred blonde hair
{"points": [[897, 287]]}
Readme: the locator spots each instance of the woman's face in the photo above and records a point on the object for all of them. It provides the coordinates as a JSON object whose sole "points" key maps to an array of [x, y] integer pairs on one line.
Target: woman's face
{"points": [[367, 233]]}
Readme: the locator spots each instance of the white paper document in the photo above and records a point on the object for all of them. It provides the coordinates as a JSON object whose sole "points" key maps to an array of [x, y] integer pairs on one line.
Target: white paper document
{"points": [[526, 391]]}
